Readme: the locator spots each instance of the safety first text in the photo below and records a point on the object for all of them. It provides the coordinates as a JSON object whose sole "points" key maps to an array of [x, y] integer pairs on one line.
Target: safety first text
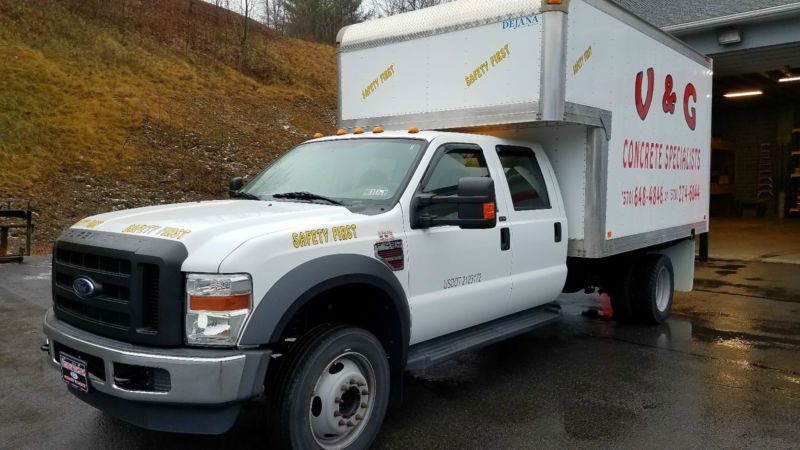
{"points": [[322, 236], [377, 82], [496, 58]]}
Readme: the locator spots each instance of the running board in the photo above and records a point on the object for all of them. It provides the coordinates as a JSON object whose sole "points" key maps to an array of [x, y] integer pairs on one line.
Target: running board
{"points": [[427, 354]]}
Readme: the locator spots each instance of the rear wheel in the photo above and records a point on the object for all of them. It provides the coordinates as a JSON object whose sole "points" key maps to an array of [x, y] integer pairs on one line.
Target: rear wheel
{"points": [[620, 293], [332, 391], [654, 286]]}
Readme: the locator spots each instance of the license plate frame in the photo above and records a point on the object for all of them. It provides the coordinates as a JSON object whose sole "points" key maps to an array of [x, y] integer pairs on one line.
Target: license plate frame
{"points": [[73, 372]]}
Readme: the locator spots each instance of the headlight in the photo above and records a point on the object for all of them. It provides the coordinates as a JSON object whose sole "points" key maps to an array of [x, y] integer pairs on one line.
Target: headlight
{"points": [[216, 308]]}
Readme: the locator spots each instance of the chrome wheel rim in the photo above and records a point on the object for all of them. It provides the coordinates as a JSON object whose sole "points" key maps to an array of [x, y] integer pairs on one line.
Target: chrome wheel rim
{"points": [[342, 401], [663, 289]]}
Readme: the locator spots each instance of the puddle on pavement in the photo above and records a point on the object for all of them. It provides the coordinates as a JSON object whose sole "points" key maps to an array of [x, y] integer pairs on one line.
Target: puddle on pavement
{"points": [[770, 293]]}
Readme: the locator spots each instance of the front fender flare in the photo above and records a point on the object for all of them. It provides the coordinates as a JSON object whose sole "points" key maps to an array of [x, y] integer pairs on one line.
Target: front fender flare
{"points": [[292, 291]]}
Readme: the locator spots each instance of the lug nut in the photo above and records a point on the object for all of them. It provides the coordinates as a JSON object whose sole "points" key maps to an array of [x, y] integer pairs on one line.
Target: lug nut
{"points": [[352, 381], [342, 423], [359, 417], [364, 405], [365, 392], [337, 400], [361, 383], [344, 387], [350, 424], [337, 413]]}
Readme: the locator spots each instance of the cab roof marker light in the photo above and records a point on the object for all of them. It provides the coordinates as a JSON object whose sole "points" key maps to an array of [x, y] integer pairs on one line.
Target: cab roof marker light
{"points": [[377, 130], [341, 132], [358, 131], [318, 135], [742, 94], [788, 79], [413, 130]]}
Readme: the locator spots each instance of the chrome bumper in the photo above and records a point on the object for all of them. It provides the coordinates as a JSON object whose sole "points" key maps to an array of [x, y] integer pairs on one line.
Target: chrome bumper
{"points": [[196, 376]]}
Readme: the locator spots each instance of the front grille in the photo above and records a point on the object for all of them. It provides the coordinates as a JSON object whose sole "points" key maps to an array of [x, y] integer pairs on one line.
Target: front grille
{"points": [[139, 286], [95, 313], [94, 262], [150, 281]]}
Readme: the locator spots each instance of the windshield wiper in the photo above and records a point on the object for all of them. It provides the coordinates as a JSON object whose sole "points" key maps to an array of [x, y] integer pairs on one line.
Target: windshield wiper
{"points": [[307, 196], [245, 195]]}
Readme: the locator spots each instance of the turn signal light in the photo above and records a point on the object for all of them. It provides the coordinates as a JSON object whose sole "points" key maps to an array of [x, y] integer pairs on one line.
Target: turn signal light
{"points": [[219, 303], [413, 130], [358, 131], [488, 211], [341, 132], [377, 130]]}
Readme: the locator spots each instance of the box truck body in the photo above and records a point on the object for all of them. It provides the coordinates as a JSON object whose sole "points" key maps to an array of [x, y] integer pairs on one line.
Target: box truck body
{"points": [[622, 109]]}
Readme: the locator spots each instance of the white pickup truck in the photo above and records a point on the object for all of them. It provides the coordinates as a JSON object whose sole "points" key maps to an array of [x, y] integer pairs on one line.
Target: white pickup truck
{"points": [[580, 160]]}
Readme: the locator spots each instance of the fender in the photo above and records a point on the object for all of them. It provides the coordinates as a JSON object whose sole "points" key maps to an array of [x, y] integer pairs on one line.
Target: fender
{"points": [[304, 282]]}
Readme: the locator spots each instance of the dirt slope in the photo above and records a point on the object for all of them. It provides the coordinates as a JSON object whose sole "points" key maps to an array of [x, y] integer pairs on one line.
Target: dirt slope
{"points": [[112, 105]]}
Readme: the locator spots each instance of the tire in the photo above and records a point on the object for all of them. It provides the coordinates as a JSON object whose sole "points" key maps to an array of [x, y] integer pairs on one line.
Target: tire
{"points": [[653, 288], [332, 391], [620, 293]]}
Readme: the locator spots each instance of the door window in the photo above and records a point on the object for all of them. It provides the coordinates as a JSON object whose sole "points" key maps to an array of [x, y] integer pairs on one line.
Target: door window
{"points": [[449, 169], [524, 176]]}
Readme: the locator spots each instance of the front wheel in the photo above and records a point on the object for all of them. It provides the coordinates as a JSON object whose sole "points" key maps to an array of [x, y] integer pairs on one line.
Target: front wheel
{"points": [[332, 391]]}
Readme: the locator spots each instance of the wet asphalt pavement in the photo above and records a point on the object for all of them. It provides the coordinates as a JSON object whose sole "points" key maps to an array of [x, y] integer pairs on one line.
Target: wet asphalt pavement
{"points": [[724, 371]]}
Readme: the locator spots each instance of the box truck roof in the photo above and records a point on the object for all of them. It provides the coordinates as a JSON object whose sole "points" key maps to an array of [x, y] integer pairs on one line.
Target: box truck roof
{"points": [[438, 19]]}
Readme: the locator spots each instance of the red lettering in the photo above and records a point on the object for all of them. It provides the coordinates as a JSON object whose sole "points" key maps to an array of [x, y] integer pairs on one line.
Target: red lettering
{"points": [[644, 107], [669, 99], [691, 117]]}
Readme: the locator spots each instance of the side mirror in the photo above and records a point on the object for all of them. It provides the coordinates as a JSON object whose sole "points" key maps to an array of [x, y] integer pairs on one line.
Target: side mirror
{"points": [[476, 206], [236, 184]]}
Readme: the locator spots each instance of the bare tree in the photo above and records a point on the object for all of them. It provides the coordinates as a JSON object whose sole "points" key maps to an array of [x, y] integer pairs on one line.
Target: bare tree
{"points": [[320, 20], [392, 7], [247, 9], [275, 14]]}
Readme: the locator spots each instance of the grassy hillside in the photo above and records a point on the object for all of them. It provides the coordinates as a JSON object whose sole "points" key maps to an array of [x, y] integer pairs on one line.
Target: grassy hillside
{"points": [[111, 105]]}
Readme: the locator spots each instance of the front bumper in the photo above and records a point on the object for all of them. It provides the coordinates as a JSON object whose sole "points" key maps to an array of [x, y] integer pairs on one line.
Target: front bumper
{"points": [[202, 394]]}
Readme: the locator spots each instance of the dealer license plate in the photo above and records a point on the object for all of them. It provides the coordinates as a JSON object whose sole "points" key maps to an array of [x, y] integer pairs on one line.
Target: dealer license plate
{"points": [[73, 372]]}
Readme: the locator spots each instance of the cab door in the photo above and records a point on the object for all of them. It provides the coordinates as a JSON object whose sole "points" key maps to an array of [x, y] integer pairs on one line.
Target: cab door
{"points": [[537, 222], [457, 277]]}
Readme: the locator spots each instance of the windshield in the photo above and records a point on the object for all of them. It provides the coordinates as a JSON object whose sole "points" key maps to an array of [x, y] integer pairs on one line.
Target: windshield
{"points": [[369, 172]]}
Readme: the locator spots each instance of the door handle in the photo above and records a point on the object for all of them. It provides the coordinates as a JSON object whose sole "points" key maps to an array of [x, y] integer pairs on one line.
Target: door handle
{"points": [[505, 239], [557, 230]]}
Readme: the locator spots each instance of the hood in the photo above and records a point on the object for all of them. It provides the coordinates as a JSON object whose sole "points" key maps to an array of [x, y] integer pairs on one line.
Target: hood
{"points": [[215, 227]]}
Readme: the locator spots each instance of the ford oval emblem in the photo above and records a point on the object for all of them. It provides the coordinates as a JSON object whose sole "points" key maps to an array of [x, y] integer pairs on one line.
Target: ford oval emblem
{"points": [[84, 286]]}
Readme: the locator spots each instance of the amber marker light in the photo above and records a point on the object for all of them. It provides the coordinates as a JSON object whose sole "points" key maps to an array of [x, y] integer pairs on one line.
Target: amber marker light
{"points": [[358, 131], [377, 130], [219, 303], [488, 211], [318, 135], [413, 130], [341, 132]]}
